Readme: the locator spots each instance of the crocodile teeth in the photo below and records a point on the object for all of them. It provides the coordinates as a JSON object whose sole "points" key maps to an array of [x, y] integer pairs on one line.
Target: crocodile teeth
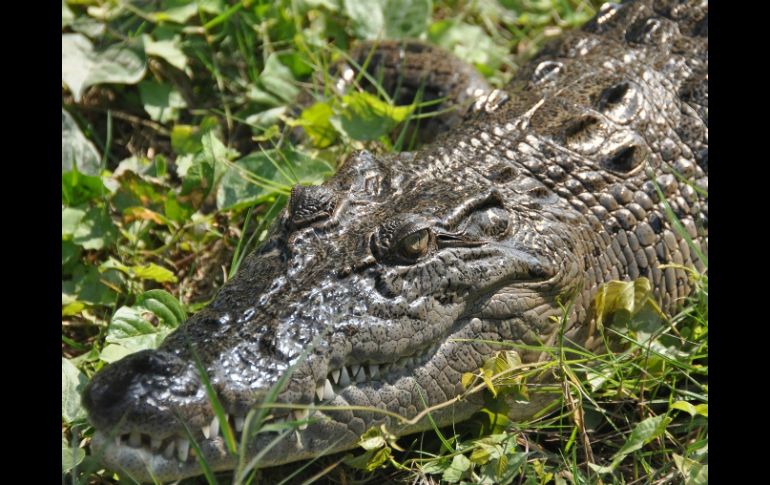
{"points": [[301, 415], [374, 371], [361, 375], [344, 377], [155, 443], [319, 391], [169, 451], [135, 439], [336, 375], [328, 391], [239, 420], [182, 448], [214, 428], [354, 369], [206, 431]]}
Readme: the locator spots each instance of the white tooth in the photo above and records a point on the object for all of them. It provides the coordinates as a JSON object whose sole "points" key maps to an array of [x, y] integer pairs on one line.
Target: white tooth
{"points": [[385, 368], [135, 439], [328, 391], [374, 371], [155, 443], [354, 369], [183, 448], [361, 376], [206, 431], [336, 375], [239, 420], [214, 428], [302, 415], [410, 362], [319, 391], [169, 451], [344, 377]]}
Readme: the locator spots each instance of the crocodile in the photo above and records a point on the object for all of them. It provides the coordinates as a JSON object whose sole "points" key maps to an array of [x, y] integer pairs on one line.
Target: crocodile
{"points": [[378, 289]]}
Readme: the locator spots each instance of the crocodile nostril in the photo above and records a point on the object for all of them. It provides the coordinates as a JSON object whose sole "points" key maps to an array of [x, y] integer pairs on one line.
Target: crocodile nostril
{"points": [[110, 388]]}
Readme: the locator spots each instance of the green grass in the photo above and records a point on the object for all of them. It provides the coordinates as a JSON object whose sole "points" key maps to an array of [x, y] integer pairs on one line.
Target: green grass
{"points": [[181, 121]]}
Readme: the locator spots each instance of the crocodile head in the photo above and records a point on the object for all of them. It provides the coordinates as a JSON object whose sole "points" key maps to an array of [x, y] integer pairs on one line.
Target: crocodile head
{"points": [[380, 276]]}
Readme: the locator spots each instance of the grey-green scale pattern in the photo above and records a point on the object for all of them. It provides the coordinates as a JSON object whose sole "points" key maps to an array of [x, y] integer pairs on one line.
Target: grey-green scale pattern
{"points": [[548, 186]]}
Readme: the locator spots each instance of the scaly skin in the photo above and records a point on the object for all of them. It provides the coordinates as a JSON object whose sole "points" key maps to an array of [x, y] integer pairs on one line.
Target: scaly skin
{"points": [[546, 190]]}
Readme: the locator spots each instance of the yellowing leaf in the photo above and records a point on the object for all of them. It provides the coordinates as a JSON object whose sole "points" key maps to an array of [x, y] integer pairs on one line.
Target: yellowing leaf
{"points": [[154, 272], [628, 297], [143, 213]]}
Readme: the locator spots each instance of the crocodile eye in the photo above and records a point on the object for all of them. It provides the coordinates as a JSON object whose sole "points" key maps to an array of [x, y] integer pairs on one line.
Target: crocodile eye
{"points": [[415, 245]]}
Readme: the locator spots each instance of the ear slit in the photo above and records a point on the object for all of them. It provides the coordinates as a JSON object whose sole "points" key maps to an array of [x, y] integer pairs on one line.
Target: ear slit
{"points": [[489, 199]]}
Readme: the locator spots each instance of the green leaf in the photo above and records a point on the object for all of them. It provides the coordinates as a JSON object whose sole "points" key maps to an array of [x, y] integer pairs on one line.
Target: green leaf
{"points": [[161, 101], [207, 166], [170, 50], [175, 210], [78, 188], [154, 272], [435, 466], [267, 118], [470, 43], [137, 191], [685, 406], [278, 79], [185, 140], [644, 432], [89, 27], [623, 300], [67, 16], [694, 472], [76, 149], [164, 305], [128, 322], [70, 457], [364, 117], [70, 220], [95, 230], [69, 253], [177, 14], [72, 308], [259, 176], [316, 122], [460, 464], [83, 66], [130, 331], [113, 353], [392, 19], [88, 285], [372, 439], [369, 461], [406, 18], [72, 383]]}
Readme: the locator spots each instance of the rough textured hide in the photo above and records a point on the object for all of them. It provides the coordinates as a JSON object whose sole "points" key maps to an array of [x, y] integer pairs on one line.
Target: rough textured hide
{"points": [[549, 187]]}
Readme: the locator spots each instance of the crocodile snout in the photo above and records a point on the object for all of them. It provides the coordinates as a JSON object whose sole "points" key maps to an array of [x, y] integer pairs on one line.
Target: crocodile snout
{"points": [[142, 388]]}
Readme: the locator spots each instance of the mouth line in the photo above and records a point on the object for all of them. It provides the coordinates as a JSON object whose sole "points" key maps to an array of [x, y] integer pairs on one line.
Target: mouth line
{"points": [[337, 379], [177, 447]]}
